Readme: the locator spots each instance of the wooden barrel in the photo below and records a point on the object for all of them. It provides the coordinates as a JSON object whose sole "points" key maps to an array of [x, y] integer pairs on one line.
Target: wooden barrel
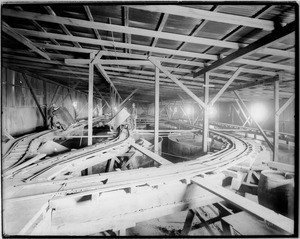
{"points": [[276, 192]]}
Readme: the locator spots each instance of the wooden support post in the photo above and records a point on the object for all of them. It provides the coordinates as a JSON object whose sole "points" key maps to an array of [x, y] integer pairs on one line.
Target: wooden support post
{"points": [[276, 121], [205, 115], [258, 126], [111, 101], [90, 102], [35, 99], [156, 115], [20, 38], [188, 222]]}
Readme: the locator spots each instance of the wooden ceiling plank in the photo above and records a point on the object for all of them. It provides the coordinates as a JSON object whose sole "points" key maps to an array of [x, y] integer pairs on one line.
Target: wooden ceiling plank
{"points": [[168, 60], [173, 78], [200, 26], [255, 83], [91, 18], [276, 35], [140, 47], [62, 26], [108, 62], [116, 44], [22, 39], [162, 24], [124, 29], [135, 74], [208, 15], [116, 28]]}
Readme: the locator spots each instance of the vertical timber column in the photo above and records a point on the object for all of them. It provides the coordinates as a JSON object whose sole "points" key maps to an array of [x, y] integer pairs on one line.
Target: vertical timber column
{"points": [[112, 101], [205, 115], [90, 103], [156, 115], [276, 120]]}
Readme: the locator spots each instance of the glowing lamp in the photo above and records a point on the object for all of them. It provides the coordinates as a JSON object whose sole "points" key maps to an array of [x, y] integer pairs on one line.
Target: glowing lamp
{"points": [[212, 112], [189, 109], [258, 111], [75, 104]]}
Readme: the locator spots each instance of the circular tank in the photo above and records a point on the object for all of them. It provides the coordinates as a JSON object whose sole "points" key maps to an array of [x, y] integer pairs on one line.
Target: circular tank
{"points": [[276, 192], [186, 145]]}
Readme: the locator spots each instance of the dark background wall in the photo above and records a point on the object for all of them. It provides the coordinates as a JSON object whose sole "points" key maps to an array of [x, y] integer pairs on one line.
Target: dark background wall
{"points": [[20, 113]]}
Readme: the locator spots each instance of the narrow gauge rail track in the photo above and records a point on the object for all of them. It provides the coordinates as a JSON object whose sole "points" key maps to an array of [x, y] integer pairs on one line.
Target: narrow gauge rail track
{"points": [[43, 186], [26, 146]]}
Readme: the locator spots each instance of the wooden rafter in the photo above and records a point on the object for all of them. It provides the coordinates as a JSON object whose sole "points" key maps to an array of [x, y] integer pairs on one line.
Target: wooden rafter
{"points": [[129, 30], [62, 26], [90, 17], [143, 57], [149, 49], [20, 38], [275, 36], [208, 15], [162, 23]]}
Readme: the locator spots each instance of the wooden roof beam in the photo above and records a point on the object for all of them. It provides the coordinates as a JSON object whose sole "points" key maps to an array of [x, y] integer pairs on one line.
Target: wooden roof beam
{"points": [[127, 30], [275, 36], [144, 57], [255, 83], [147, 48], [208, 15], [62, 26], [161, 26], [22, 39]]}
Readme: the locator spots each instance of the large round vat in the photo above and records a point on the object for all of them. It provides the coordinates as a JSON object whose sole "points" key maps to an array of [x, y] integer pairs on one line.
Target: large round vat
{"points": [[150, 138], [276, 192], [186, 145]]}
